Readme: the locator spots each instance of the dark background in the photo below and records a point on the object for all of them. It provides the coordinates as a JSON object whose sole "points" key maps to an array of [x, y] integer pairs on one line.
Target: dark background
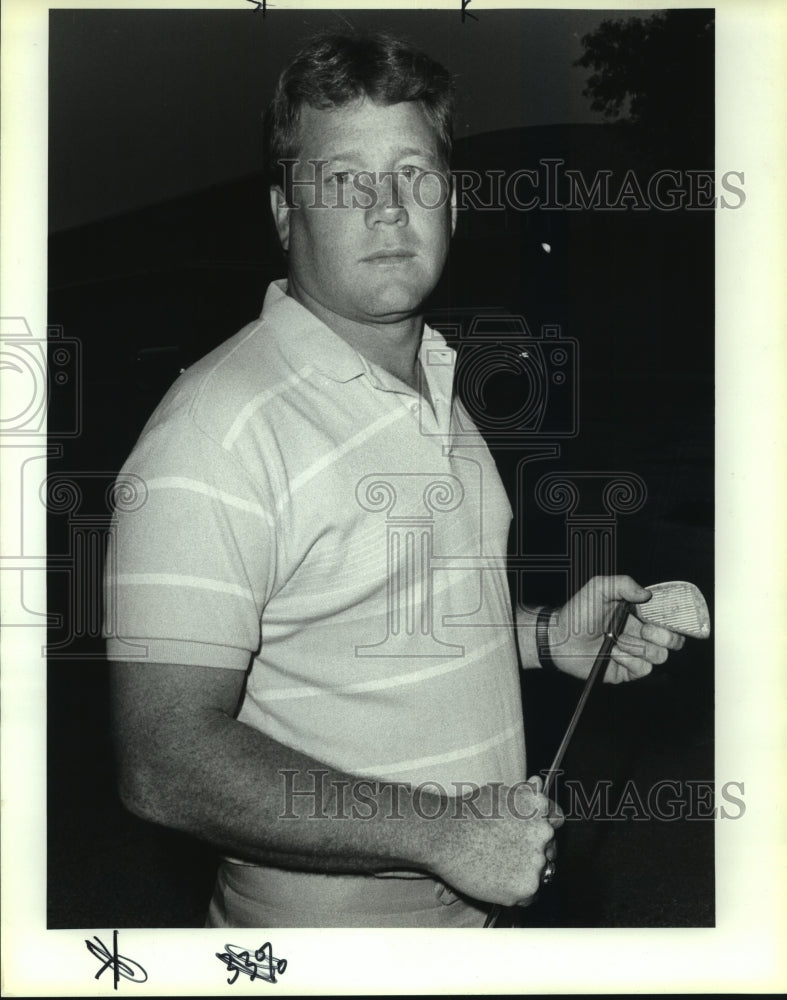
{"points": [[161, 247]]}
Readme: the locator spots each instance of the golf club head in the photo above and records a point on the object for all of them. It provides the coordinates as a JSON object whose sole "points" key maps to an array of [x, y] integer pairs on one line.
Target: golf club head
{"points": [[676, 605]]}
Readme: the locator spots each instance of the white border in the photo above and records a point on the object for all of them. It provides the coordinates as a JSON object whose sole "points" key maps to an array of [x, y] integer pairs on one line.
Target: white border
{"points": [[744, 952]]}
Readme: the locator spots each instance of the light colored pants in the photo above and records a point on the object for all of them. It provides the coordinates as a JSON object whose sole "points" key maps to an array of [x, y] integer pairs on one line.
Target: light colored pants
{"points": [[255, 896]]}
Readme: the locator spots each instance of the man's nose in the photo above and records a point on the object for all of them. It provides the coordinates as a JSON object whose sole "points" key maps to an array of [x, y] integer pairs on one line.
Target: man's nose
{"points": [[387, 206]]}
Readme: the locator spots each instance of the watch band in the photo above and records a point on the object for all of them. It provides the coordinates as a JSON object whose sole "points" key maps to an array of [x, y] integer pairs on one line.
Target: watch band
{"points": [[543, 651]]}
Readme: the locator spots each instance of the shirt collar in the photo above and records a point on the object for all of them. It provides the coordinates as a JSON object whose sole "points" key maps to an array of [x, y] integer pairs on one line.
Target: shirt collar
{"points": [[305, 338]]}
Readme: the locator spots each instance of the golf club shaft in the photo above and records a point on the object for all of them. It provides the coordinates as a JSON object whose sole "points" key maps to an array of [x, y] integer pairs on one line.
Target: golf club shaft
{"points": [[600, 662]]}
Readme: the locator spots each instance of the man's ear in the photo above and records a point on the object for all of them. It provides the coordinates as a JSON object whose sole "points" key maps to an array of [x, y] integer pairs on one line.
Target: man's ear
{"points": [[453, 204], [281, 216]]}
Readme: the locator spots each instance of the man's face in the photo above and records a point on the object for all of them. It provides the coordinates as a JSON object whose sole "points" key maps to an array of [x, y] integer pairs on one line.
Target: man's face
{"points": [[377, 251]]}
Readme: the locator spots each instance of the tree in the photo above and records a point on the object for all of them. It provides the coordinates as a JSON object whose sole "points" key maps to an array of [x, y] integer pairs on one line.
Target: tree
{"points": [[654, 76]]}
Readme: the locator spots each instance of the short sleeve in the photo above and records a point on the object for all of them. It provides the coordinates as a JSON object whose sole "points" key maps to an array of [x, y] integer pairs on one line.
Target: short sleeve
{"points": [[191, 555]]}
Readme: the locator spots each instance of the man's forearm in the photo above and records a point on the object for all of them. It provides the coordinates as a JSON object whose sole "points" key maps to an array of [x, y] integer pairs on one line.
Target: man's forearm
{"points": [[253, 797], [187, 763]]}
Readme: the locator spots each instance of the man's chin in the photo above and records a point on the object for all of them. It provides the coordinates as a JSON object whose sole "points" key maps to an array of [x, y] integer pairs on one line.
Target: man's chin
{"points": [[395, 315], [391, 305]]}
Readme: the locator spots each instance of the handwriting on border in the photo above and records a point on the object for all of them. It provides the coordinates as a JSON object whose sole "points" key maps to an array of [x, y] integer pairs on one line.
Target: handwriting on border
{"points": [[263, 6], [466, 12], [121, 965], [264, 966]]}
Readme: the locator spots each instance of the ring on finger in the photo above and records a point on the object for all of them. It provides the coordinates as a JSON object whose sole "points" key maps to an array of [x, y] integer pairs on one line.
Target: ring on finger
{"points": [[549, 872]]}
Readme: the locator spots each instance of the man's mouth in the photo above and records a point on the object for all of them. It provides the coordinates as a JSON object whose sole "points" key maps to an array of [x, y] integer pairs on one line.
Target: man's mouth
{"points": [[393, 255]]}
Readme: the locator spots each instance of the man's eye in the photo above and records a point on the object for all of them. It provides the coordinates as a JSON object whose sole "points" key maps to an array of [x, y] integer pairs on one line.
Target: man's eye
{"points": [[341, 176], [409, 172]]}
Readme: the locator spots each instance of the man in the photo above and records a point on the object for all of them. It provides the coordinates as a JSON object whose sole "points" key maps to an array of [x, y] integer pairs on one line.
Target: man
{"points": [[315, 659]]}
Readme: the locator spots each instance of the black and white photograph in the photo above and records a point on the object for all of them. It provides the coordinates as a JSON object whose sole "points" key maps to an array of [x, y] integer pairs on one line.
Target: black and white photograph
{"points": [[389, 499]]}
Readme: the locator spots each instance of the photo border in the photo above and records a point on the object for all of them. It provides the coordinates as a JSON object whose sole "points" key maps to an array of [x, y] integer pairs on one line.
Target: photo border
{"points": [[744, 951]]}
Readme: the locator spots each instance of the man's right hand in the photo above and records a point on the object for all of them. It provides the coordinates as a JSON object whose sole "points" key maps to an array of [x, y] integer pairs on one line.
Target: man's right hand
{"points": [[498, 854]]}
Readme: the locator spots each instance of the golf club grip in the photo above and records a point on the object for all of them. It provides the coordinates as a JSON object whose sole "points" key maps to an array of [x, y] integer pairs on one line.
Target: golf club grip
{"points": [[602, 658]]}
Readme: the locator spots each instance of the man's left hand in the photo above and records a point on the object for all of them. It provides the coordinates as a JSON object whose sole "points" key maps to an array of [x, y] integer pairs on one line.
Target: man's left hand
{"points": [[577, 631]]}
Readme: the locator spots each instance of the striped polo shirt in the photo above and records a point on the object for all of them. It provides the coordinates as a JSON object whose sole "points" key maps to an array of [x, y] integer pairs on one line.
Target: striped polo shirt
{"points": [[302, 514]]}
